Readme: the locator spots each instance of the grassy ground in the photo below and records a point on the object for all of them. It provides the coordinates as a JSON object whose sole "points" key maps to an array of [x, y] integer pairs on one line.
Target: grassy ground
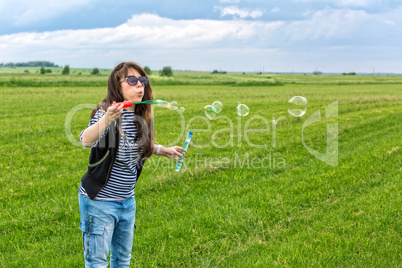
{"points": [[249, 194]]}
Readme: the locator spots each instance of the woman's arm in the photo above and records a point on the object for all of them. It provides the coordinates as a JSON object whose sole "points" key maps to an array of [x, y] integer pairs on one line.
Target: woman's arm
{"points": [[92, 133], [170, 152]]}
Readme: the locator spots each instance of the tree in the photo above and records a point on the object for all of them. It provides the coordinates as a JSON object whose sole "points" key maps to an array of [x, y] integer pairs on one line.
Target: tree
{"points": [[95, 71], [218, 72], [166, 71], [66, 70], [42, 70], [351, 73], [30, 64], [147, 70]]}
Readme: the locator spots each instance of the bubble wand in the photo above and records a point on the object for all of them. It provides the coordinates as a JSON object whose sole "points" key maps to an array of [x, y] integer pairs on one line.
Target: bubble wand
{"points": [[129, 103], [184, 150]]}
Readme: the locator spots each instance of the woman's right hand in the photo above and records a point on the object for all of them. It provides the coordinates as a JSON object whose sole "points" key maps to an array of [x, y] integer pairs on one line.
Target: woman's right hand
{"points": [[114, 111], [92, 133]]}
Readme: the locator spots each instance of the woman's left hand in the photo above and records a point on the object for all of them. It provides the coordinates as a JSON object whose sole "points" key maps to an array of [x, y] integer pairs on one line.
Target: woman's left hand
{"points": [[172, 152]]}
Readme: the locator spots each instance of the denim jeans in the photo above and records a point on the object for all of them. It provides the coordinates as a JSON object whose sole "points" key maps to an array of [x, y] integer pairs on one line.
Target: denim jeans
{"points": [[107, 226]]}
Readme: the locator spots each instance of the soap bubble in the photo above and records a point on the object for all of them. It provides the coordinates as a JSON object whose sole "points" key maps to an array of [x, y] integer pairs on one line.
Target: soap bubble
{"points": [[242, 110], [170, 105], [162, 103], [210, 112], [174, 105], [182, 109], [218, 106], [297, 106]]}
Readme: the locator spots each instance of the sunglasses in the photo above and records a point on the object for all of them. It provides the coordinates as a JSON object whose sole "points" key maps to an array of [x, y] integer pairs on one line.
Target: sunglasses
{"points": [[133, 80]]}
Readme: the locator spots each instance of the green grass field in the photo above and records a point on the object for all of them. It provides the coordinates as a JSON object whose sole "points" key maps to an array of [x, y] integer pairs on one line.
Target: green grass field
{"points": [[249, 194]]}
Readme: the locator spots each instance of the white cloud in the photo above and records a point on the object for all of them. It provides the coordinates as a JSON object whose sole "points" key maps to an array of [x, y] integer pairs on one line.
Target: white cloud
{"points": [[157, 41], [327, 23], [237, 12], [145, 31], [150, 30]]}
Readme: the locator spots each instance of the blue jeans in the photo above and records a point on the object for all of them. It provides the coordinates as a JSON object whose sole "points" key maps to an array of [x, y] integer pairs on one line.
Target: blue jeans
{"points": [[107, 226]]}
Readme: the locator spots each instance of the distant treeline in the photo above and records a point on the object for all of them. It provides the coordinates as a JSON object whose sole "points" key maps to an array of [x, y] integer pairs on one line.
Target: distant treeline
{"points": [[29, 64]]}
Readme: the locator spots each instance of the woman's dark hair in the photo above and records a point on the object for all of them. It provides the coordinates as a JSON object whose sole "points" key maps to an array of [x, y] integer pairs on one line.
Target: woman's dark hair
{"points": [[143, 115]]}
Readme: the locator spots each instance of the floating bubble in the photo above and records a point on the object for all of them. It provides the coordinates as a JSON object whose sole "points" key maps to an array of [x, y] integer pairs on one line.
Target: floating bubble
{"points": [[174, 105], [242, 110], [297, 106], [182, 109], [218, 106], [210, 112]]}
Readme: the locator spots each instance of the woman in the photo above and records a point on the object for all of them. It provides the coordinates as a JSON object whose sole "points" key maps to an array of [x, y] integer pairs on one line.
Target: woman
{"points": [[120, 141]]}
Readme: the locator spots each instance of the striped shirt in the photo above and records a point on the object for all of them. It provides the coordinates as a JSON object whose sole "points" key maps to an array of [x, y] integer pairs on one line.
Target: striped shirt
{"points": [[123, 177]]}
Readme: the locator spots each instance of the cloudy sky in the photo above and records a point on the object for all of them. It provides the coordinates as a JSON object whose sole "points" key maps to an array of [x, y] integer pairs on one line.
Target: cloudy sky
{"points": [[228, 35]]}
